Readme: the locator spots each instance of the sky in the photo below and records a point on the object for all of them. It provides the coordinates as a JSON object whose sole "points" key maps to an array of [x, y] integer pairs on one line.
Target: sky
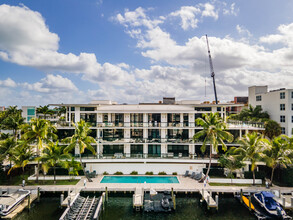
{"points": [[131, 51]]}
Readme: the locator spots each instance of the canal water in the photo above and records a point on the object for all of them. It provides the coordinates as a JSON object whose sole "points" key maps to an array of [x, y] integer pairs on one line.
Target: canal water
{"points": [[119, 207]]}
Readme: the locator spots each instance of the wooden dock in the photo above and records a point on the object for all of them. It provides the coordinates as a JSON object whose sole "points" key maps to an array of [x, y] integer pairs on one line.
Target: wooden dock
{"points": [[208, 197], [286, 201], [138, 198], [71, 195], [26, 203]]}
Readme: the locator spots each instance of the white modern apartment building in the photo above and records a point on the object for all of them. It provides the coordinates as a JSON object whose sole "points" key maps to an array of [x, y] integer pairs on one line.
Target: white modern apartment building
{"points": [[147, 136], [278, 104]]}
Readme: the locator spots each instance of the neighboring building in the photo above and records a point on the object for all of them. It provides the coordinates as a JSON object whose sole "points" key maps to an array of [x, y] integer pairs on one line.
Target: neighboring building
{"points": [[28, 112], [237, 108], [2, 108], [278, 104], [147, 136]]}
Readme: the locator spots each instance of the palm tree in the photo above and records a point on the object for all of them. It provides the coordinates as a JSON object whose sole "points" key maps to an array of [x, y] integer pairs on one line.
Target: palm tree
{"points": [[72, 166], [40, 131], [272, 129], [21, 156], [214, 134], [81, 140], [278, 153], [232, 163], [45, 110], [53, 156], [251, 149], [12, 120], [6, 147]]}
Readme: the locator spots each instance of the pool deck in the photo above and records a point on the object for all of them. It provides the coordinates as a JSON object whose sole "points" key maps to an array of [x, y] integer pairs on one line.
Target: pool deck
{"points": [[185, 185]]}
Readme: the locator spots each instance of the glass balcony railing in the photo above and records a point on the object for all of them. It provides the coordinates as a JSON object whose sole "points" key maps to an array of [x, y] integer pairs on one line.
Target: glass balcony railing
{"points": [[143, 140], [244, 124]]}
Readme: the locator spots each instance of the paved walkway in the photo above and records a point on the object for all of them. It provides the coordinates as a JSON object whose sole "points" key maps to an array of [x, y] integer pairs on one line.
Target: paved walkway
{"points": [[185, 184]]}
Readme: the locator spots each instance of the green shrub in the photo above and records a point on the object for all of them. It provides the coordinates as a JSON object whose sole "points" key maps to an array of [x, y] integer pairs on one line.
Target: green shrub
{"points": [[105, 173], [149, 173], [215, 172], [162, 173], [118, 173], [174, 173], [258, 175], [134, 173]]}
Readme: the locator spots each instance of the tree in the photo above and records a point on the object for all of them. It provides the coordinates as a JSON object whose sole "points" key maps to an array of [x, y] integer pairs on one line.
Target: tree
{"points": [[278, 153], [12, 120], [6, 147], [272, 129], [251, 149], [231, 163], [45, 110], [53, 156], [81, 140], [40, 131], [21, 155], [214, 134], [251, 114], [72, 166]]}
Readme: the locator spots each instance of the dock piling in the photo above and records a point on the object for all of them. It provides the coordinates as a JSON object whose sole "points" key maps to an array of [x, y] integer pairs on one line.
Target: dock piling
{"points": [[38, 194], [217, 201], [106, 190], [291, 201], [249, 202], [61, 199], [284, 201], [29, 202], [241, 194]]}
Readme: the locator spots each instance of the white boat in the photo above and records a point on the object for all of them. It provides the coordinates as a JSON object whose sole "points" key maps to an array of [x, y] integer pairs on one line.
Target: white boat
{"points": [[10, 201]]}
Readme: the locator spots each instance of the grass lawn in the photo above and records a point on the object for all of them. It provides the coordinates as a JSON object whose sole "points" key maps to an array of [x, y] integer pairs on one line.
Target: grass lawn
{"points": [[51, 182]]}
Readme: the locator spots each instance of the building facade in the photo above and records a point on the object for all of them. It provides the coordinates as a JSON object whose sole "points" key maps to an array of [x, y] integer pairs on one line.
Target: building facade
{"points": [[147, 136], [278, 104]]}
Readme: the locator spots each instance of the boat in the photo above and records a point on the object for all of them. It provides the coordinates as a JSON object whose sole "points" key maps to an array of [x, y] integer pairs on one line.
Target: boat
{"points": [[265, 203], [10, 201], [159, 202]]}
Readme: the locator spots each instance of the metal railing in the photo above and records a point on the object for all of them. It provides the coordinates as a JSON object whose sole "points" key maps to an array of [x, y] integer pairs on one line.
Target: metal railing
{"points": [[244, 124], [144, 140]]}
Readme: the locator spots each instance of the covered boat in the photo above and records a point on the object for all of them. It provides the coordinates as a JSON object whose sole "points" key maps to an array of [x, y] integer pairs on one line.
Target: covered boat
{"points": [[10, 201], [265, 202]]}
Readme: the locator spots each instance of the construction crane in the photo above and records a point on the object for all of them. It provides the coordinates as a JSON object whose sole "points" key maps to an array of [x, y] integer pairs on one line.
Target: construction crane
{"points": [[212, 70]]}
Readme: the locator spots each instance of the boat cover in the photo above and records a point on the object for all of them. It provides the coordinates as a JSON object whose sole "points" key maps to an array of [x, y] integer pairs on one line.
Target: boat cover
{"points": [[267, 194]]}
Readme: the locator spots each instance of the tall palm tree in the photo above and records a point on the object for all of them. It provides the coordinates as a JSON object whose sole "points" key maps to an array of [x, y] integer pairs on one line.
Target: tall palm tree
{"points": [[12, 120], [6, 147], [21, 156], [53, 156], [231, 163], [214, 134], [278, 153], [251, 149], [72, 166], [41, 132], [45, 110], [81, 140]]}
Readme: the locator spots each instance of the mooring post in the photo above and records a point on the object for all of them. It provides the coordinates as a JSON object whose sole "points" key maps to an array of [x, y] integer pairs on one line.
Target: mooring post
{"points": [[284, 201], [217, 201], [208, 202], [38, 194], [291, 202], [29, 202], [202, 193], [241, 194], [249, 202], [0, 191], [61, 199], [7, 190], [106, 194], [103, 201]]}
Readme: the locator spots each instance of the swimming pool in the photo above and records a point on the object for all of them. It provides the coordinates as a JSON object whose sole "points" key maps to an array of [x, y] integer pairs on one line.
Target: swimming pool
{"points": [[139, 179]]}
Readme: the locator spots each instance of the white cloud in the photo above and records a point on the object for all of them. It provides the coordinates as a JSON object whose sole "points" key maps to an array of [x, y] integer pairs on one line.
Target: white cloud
{"points": [[8, 83], [188, 16], [52, 84], [231, 11], [209, 11], [243, 31]]}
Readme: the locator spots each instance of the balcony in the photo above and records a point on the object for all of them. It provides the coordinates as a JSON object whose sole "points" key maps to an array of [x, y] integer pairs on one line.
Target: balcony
{"points": [[245, 124]]}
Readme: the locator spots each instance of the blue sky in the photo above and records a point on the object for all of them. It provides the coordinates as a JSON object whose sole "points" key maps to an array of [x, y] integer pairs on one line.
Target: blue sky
{"points": [[75, 51]]}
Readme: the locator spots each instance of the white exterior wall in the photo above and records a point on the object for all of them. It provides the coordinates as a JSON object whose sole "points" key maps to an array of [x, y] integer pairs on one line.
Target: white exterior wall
{"points": [[142, 168], [270, 102]]}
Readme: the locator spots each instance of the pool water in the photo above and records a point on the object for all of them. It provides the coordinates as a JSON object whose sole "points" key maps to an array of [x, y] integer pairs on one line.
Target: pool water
{"points": [[139, 179]]}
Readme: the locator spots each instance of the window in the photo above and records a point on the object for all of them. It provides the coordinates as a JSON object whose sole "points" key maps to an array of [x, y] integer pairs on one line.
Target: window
{"points": [[30, 111], [72, 109], [218, 109], [292, 95], [282, 95], [292, 118], [292, 106], [282, 118], [282, 107], [87, 108], [258, 98], [283, 130], [203, 109]]}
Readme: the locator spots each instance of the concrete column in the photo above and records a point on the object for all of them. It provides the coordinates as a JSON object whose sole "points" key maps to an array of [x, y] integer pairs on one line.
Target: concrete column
{"points": [[127, 120], [127, 133], [145, 133], [164, 120], [145, 150], [240, 133], [191, 120], [109, 117], [214, 151], [99, 117], [127, 150], [77, 114], [190, 133], [164, 149], [191, 150], [163, 135], [181, 119], [145, 120]]}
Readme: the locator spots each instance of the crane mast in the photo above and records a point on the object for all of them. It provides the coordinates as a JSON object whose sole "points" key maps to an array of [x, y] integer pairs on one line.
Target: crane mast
{"points": [[212, 70]]}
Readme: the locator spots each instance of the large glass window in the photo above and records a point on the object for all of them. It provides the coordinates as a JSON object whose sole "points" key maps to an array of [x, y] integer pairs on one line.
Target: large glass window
{"points": [[173, 119], [203, 109], [154, 133], [185, 119], [118, 119], [136, 119], [136, 149], [113, 134], [154, 120], [113, 149], [136, 133], [154, 150], [177, 134], [179, 150], [31, 111], [87, 109], [89, 117], [105, 117]]}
